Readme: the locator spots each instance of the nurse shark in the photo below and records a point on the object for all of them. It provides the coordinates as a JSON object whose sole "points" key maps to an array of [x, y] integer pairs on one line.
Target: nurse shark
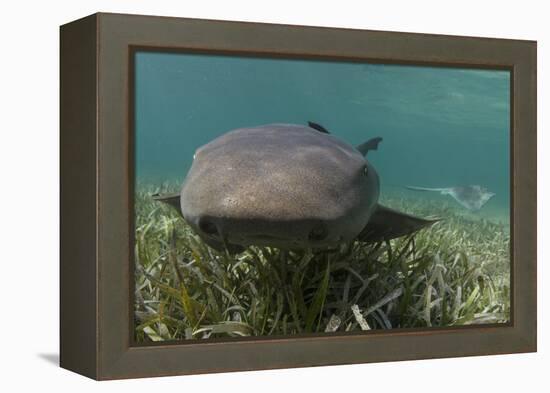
{"points": [[287, 186]]}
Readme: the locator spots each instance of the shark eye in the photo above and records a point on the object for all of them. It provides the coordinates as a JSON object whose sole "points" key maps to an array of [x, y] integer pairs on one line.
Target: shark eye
{"points": [[366, 170]]}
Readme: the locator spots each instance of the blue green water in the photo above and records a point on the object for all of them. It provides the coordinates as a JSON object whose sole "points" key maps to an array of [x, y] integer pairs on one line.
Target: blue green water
{"points": [[440, 126]]}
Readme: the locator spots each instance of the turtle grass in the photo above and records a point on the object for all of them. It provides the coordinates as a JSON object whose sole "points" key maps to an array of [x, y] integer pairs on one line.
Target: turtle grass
{"points": [[455, 273]]}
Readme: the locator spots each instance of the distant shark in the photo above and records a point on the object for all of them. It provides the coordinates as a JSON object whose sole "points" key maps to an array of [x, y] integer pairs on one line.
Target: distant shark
{"points": [[471, 197]]}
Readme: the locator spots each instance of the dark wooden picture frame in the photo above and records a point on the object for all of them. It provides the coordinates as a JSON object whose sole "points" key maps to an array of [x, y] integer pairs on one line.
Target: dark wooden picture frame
{"points": [[97, 193]]}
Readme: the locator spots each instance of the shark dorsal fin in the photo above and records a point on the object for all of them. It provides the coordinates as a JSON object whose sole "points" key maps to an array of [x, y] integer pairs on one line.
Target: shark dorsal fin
{"points": [[318, 127], [371, 144]]}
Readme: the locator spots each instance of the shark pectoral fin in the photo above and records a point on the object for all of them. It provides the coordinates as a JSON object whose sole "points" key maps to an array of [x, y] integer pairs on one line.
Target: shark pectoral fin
{"points": [[170, 199], [386, 224]]}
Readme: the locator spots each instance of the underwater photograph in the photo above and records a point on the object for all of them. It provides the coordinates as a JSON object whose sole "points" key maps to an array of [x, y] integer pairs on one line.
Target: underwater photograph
{"points": [[285, 196]]}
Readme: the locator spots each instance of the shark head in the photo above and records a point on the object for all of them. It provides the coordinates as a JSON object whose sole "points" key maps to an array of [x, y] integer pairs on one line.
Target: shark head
{"points": [[286, 186], [280, 185]]}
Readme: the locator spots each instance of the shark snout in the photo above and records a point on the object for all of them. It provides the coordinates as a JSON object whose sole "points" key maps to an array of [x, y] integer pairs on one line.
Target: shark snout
{"points": [[266, 232], [208, 226]]}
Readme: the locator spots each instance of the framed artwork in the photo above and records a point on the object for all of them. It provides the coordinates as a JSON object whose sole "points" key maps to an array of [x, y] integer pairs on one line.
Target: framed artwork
{"points": [[240, 196]]}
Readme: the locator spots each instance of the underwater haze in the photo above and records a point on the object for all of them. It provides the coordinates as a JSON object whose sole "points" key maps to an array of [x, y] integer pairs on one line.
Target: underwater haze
{"points": [[441, 127]]}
